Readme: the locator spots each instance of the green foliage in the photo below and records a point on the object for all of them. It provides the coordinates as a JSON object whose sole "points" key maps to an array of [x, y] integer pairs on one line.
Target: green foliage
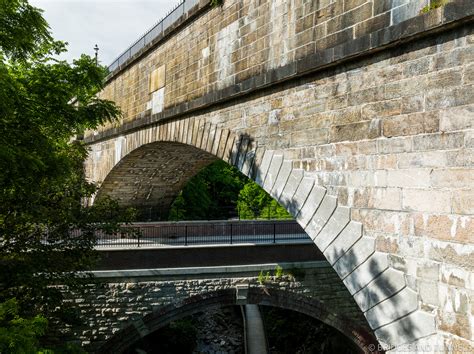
{"points": [[44, 102], [220, 191], [278, 272], [252, 200], [211, 194], [19, 335], [434, 4], [254, 203], [17, 19], [215, 3]]}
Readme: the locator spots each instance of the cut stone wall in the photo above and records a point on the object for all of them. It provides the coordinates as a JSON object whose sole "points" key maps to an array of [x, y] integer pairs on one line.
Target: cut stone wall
{"points": [[241, 39], [372, 156]]}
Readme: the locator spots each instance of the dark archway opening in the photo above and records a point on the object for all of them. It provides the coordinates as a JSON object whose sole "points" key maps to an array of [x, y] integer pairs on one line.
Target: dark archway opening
{"points": [[357, 336], [221, 330]]}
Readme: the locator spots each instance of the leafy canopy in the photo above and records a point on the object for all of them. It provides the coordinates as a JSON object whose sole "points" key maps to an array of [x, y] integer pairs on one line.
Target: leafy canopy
{"points": [[220, 191], [44, 103]]}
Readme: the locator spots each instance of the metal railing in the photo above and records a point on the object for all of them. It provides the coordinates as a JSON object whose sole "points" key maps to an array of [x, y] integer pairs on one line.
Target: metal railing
{"points": [[173, 15], [206, 233]]}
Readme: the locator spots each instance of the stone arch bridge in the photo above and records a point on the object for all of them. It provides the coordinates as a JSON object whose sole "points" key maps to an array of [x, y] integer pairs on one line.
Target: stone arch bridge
{"points": [[125, 306], [356, 115]]}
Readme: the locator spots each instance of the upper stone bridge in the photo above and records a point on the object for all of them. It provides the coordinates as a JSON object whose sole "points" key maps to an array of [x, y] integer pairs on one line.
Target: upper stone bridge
{"points": [[356, 115]]}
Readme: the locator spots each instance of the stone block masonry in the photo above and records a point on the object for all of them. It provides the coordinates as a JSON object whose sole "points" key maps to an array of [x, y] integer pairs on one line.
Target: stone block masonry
{"points": [[380, 124], [242, 44], [120, 300]]}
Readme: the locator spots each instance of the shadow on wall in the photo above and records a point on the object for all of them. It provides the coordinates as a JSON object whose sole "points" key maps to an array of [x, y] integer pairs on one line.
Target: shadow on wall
{"points": [[380, 291]]}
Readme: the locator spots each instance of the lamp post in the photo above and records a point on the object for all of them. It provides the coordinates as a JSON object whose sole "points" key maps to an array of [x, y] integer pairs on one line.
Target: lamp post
{"points": [[96, 49]]}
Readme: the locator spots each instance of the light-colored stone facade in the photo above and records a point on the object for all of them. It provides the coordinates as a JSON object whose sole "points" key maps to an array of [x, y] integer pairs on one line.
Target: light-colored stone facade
{"points": [[241, 39], [374, 157]]}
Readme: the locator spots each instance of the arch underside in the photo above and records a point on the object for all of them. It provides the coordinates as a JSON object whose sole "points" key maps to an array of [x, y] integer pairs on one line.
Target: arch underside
{"points": [[150, 178], [227, 297]]}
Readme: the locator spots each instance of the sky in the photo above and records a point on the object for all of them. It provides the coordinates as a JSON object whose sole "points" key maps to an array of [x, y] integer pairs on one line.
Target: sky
{"points": [[111, 24]]}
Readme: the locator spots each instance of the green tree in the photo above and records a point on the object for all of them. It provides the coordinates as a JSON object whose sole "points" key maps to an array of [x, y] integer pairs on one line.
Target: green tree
{"points": [[44, 103], [211, 194], [254, 203], [19, 335], [220, 191]]}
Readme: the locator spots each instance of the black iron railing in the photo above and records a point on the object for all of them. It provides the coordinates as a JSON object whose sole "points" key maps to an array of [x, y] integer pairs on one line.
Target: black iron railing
{"points": [[157, 30], [205, 233]]}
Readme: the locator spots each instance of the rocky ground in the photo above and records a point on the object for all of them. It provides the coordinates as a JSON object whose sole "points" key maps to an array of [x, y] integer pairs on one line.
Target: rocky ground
{"points": [[219, 331], [215, 331]]}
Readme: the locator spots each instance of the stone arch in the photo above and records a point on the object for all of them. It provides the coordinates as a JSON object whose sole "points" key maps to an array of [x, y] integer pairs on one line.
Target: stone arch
{"points": [[285, 299], [382, 292], [149, 178]]}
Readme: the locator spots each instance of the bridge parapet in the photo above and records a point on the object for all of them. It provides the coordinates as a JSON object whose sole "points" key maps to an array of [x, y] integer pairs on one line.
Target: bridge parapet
{"points": [[232, 50]]}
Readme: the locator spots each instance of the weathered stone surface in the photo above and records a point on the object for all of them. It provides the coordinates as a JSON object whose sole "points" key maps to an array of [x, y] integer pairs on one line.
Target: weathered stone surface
{"points": [[391, 309], [262, 169], [153, 176], [339, 219], [282, 179], [250, 158], [291, 186], [416, 325], [300, 196], [358, 253], [313, 202], [435, 201], [387, 284], [411, 124], [123, 299], [348, 236], [321, 216], [272, 173], [387, 134], [366, 272], [457, 118], [158, 78]]}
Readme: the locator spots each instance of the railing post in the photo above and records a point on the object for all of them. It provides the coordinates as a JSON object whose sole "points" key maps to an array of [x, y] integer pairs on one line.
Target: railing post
{"points": [[185, 235], [138, 238], [231, 234], [274, 232]]}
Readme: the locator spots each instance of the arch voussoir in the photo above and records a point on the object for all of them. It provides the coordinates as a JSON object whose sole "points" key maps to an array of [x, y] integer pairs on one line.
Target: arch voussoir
{"points": [[380, 291], [273, 170], [333, 227], [262, 167], [249, 159], [281, 181], [289, 189], [321, 215]]}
